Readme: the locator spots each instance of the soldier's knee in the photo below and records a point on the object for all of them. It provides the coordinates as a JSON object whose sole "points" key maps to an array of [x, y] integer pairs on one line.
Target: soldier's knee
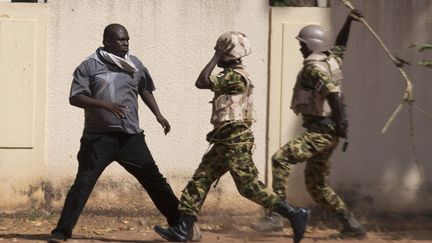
{"points": [[276, 157], [247, 188], [315, 190], [279, 159], [245, 192]]}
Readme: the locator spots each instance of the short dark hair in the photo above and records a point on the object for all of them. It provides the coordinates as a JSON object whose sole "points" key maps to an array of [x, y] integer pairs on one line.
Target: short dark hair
{"points": [[109, 30]]}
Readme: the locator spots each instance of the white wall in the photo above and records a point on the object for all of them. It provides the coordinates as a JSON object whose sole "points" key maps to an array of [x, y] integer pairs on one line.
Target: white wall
{"points": [[174, 39]]}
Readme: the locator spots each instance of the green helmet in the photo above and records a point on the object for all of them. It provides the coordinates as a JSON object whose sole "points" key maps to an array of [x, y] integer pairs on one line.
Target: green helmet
{"points": [[316, 38]]}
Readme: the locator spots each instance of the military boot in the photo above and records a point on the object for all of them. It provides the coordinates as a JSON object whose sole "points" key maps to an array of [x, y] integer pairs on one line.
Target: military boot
{"points": [[270, 223], [180, 232], [297, 217], [195, 235], [351, 226]]}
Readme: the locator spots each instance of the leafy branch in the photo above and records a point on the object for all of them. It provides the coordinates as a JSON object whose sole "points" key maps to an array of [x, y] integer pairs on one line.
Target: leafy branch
{"points": [[424, 47]]}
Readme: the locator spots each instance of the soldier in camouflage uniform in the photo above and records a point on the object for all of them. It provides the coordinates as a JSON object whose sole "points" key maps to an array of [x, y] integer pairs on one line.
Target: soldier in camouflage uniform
{"points": [[317, 97], [232, 141]]}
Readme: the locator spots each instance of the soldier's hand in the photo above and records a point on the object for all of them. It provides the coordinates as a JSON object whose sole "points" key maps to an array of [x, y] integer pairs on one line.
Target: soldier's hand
{"points": [[223, 47], [355, 15], [342, 130], [165, 124], [118, 110]]}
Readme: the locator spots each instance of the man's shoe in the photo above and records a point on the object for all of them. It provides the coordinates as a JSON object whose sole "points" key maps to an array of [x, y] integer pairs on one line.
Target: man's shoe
{"points": [[270, 223], [352, 228], [298, 218], [181, 232], [56, 237]]}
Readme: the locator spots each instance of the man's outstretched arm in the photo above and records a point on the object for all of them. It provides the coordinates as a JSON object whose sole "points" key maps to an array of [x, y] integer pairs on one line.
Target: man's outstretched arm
{"points": [[343, 35], [151, 103]]}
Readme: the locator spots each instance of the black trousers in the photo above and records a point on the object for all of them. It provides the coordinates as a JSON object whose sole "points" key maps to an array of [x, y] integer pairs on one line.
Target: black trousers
{"points": [[97, 151]]}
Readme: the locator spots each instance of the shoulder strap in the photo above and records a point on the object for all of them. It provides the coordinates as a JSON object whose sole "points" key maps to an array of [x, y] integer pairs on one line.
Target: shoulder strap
{"points": [[244, 74]]}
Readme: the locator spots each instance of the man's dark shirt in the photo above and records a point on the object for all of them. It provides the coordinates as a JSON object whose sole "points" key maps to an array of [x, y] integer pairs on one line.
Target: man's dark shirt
{"points": [[99, 79]]}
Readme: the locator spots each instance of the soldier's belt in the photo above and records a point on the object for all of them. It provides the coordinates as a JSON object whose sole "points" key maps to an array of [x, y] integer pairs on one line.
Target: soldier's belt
{"points": [[320, 125]]}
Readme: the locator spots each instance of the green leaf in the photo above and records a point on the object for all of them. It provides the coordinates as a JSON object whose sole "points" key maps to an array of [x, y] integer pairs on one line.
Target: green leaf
{"points": [[401, 62], [426, 63], [424, 47]]}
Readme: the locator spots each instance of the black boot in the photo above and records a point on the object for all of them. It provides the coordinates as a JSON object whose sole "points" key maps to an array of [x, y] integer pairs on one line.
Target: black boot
{"points": [[351, 226], [273, 222], [180, 232], [297, 216], [57, 237]]}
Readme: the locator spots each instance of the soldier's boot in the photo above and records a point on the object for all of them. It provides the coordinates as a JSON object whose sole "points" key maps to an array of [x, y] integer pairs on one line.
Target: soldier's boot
{"points": [[297, 217], [351, 226], [180, 232], [270, 223], [195, 235]]}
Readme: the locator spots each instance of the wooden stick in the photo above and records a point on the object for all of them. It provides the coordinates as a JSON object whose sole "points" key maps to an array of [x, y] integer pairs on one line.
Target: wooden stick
{"points": [[408, 96]]}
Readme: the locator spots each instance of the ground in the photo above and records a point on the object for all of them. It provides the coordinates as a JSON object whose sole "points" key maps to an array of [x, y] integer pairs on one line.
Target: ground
{"points": [[98, 228]]}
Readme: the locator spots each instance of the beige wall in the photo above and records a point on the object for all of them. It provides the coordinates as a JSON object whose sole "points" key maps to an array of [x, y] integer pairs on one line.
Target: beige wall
{"points": [[23, 33], [174, 39]]}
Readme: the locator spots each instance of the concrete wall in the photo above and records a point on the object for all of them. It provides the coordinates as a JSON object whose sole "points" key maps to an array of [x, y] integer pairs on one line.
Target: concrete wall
{"points": [[174, 39]]}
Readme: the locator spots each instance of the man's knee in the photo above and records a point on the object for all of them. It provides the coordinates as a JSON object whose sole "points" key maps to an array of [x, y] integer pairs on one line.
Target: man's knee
{"points": [[246, 192], [286, 157], [277, 158], [320, 192], [248, 188], [83, 183]]}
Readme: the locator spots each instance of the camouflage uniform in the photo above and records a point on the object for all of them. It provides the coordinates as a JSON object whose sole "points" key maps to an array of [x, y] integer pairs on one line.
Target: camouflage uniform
{"points": [[314, 147], [231, 151]]}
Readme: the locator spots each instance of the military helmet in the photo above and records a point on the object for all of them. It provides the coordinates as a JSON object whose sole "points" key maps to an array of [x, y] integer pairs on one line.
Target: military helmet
{"points": [[316, 38], [241, 45]]}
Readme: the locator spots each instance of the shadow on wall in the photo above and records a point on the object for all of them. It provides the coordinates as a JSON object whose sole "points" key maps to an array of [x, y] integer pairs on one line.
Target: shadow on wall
{"points": [[379, 170]]}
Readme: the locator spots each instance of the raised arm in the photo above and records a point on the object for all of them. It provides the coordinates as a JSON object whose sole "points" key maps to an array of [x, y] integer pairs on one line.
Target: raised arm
{"points": [[343, 35], [151, 103], [203, 80]]}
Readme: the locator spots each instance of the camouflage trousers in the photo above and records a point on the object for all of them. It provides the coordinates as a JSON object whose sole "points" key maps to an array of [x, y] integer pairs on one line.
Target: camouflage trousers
{"points": [[237, 159], [315, 149]]}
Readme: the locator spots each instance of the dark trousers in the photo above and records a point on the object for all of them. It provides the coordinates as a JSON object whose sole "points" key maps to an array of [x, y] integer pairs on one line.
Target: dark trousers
{"points": [[97, 151]]}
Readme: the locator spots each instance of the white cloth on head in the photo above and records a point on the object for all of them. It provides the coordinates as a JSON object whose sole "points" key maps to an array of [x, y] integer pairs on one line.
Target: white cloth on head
{"points": [[123, 63]]}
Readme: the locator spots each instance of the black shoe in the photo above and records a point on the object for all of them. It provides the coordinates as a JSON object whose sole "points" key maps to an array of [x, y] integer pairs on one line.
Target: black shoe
{"points": [[352, 228], [298, 218], [57, 237], [270, 223], [181, 232]]}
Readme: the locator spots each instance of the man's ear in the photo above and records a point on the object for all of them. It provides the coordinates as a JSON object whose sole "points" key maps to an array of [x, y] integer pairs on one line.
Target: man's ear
{"points": [[106, 42]]}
